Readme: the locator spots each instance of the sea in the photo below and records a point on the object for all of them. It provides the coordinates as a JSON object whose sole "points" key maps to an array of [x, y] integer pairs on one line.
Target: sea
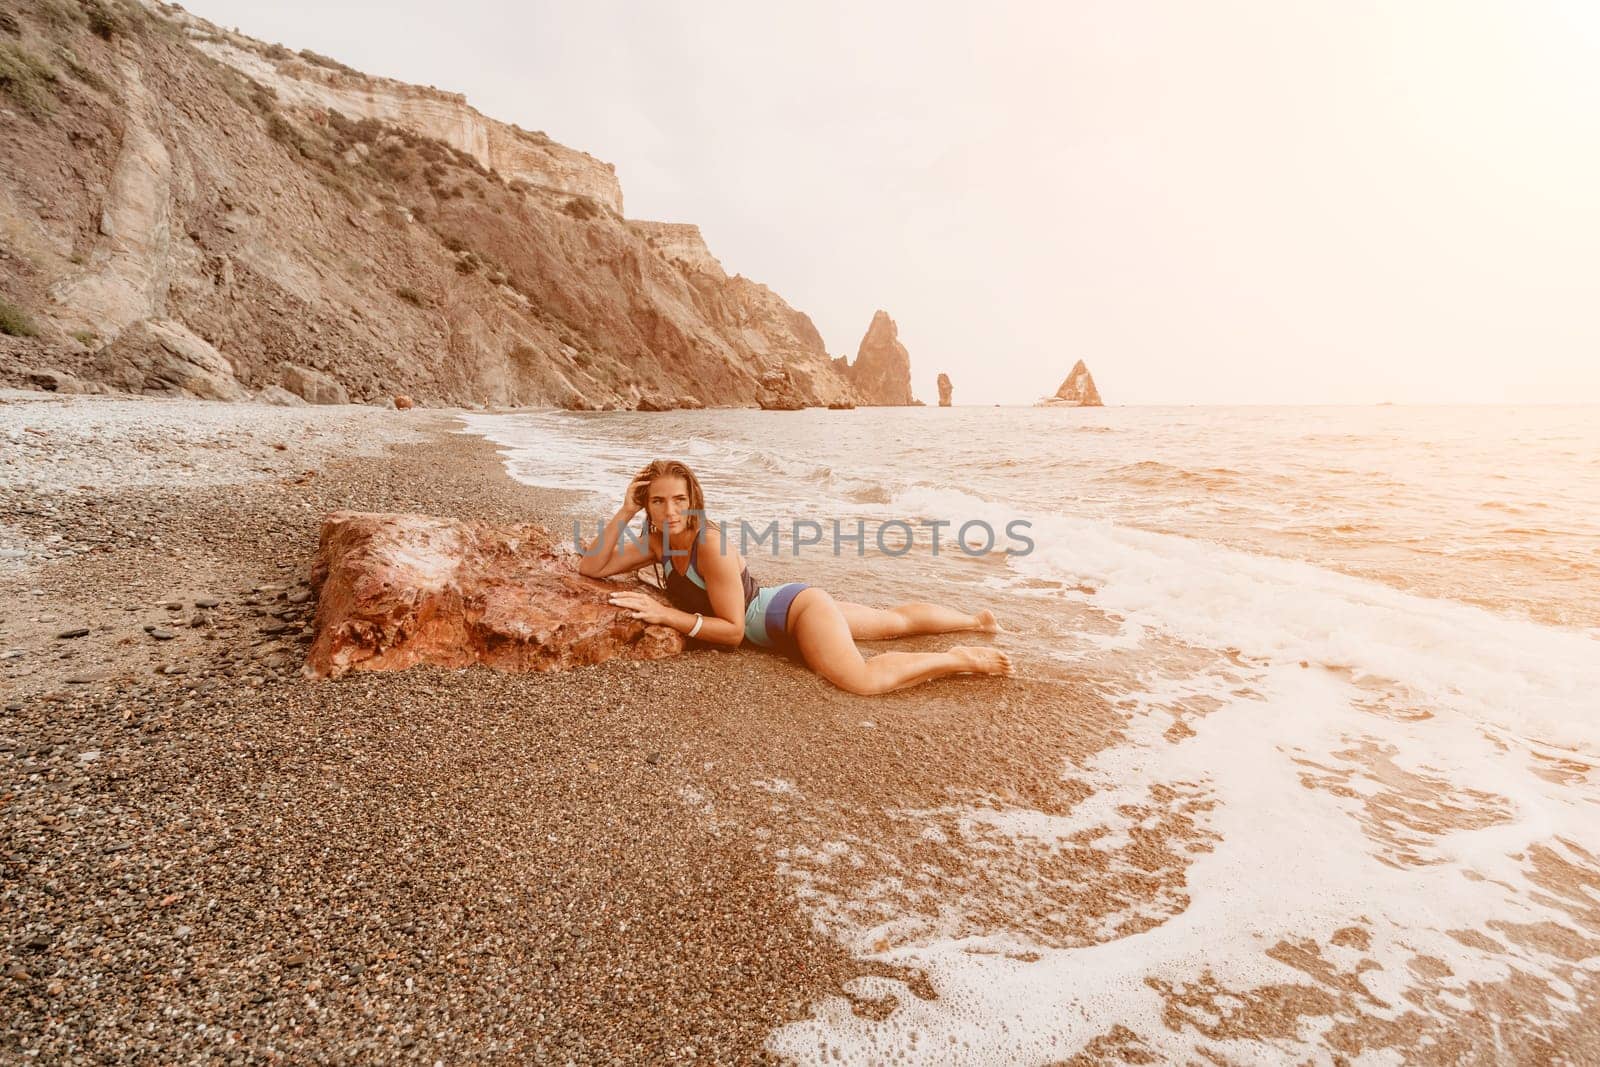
{"points": [[1379, 627]]}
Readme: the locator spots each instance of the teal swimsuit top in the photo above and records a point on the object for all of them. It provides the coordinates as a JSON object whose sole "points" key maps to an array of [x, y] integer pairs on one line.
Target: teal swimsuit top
{"points": [[766, 610]]}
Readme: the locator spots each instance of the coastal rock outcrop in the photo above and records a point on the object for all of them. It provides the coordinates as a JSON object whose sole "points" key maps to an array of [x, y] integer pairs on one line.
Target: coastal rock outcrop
{"points": [[944, 390], [398, 590], [315, 83], [881, 372], [778, 393], [288, 209], [1077, 391]]}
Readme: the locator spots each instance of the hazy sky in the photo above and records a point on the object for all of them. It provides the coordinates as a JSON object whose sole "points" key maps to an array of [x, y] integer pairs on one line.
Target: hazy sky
{"points": [[1213, 202]]}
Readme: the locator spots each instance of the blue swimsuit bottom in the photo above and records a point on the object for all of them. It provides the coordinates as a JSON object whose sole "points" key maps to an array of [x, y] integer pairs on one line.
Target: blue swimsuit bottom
{"points": [[766, 617]]}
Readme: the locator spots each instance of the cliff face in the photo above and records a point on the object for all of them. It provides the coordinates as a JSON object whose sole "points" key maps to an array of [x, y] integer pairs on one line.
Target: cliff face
{"points": [[882, 370], [1077, 390], [310, 88], [259, 214]]}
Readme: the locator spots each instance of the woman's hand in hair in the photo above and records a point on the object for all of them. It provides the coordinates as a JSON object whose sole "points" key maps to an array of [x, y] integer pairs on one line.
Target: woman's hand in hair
{"points": [[633, 499]]}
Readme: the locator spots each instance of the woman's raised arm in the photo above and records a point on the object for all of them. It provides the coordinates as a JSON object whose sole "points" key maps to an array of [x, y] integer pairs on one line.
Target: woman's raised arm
{"points": [[601, 558]]}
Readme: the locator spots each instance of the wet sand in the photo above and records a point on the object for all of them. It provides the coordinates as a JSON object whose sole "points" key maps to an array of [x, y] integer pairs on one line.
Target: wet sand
{"points": [[207, 856]]}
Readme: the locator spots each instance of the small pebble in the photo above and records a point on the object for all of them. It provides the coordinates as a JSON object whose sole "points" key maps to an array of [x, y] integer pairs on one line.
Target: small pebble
{"points": [[76, 631]]}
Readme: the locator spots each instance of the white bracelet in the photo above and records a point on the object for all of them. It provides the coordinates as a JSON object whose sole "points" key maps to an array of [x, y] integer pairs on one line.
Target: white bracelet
{"points": [[698, 619]]}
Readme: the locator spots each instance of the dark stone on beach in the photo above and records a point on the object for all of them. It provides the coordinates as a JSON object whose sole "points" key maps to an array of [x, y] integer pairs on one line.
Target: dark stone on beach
{"points": [[653, 759], [113, 849], [173, 605], [297, 959], [207, 602], [14, 706], [162, 635], [299, 596], [77, 631], [38, 942]]}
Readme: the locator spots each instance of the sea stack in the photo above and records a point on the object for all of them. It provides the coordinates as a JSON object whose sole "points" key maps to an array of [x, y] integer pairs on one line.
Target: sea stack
{"points": [[1077, 391], [882, 370], [944, 390]]}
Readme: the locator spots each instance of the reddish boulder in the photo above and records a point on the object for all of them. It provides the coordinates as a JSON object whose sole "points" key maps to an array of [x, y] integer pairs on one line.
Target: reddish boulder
{"points": [[397, 590], [403, 402]]}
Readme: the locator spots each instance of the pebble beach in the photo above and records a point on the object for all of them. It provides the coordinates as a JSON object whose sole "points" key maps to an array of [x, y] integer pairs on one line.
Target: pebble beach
{"points": [[204, 856], [718, 857]]}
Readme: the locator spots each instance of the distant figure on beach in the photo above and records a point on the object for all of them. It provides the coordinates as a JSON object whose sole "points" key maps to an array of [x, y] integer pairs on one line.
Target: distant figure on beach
{"points": [[715, 599]]}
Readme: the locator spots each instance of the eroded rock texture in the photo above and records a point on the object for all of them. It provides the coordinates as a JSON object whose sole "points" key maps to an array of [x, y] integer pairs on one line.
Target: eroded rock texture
{"points": [[398, 590]]}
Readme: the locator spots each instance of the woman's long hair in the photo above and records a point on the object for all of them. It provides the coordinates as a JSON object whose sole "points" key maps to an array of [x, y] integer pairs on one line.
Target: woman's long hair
{"points": [[669, 468]]}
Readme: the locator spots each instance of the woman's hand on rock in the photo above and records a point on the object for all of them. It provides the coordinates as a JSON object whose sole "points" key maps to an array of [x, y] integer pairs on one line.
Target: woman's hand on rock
{"points": [[642, 606]]}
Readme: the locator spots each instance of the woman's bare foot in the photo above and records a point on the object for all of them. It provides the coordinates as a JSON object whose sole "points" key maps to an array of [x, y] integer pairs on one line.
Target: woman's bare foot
{"points": [[982, 659], [987, 623]]}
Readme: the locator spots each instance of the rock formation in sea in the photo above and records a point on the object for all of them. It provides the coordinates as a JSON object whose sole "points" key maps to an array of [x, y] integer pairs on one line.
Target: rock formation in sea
{"points": [[881, 372], [944, 390], [1077, 391], [189, 211], [394, 591]]}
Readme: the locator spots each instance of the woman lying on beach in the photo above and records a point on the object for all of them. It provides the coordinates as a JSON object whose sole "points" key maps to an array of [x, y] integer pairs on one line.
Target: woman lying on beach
{"points": [[715, 599]]}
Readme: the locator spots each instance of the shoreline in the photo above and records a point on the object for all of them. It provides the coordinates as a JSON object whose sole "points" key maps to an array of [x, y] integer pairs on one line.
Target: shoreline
{"points": [[450, 863], [717, 856]]}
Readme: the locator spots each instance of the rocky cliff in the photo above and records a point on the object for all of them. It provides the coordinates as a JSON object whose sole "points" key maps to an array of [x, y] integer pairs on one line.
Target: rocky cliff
{"points": [[945, 389], [1077, 390], [186, 210], [881, 372]]}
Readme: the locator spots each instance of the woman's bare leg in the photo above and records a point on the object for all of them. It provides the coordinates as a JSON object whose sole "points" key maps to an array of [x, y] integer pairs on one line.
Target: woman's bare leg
{"points": [[826, 644], [903, 620]]}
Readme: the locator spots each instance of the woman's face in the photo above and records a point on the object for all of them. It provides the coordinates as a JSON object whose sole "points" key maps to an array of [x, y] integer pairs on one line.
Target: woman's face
{"points": [[668, 504]]}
